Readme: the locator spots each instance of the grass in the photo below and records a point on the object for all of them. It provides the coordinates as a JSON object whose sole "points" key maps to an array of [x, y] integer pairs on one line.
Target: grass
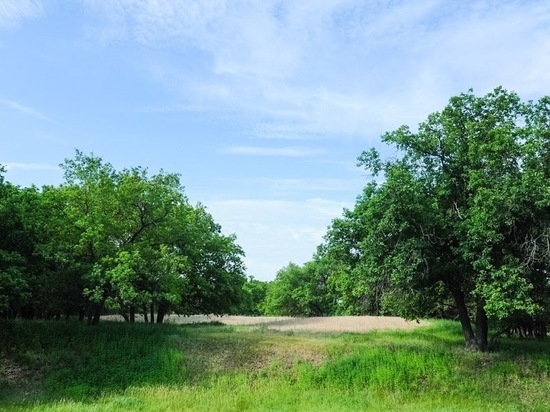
{"points": [[67, 366]]}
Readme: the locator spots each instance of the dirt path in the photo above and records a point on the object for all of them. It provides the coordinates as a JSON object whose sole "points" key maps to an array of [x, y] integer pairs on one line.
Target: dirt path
{"points": [[325, 324]]}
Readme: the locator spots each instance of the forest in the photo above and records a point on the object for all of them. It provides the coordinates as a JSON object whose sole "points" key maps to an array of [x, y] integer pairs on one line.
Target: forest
{"points": [[112, 241], [456, 226]]}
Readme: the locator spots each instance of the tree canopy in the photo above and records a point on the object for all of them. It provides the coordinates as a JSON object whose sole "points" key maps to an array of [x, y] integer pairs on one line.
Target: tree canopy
{"points": [[118, 240], [299, 291], [463, 214], [456, 225]]}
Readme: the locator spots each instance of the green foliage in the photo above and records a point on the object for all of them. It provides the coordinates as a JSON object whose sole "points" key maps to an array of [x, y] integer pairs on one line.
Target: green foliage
{"points": [[253, 299], [461, 216], [18, 265], [299, 291], [215, 277], [118, 240], [13, 287]]}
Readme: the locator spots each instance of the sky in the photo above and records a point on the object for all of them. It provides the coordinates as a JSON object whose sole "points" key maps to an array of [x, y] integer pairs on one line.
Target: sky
{"points": [[261, 106]]}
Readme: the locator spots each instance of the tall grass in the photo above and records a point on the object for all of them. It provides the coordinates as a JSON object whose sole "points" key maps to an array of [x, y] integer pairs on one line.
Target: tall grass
{"points": [[116, 367], [72, 360]]}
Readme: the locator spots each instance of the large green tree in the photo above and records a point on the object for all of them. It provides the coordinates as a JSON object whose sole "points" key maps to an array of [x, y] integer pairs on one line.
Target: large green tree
{"points": [[147, 249], [300, 291], [463, 213]]}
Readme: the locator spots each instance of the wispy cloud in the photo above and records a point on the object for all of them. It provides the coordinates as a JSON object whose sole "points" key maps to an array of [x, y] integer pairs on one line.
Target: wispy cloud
{"points": [[24, 109], [12, 12], [273, 151], [177, 108], [29, 166], [291, 229], [310, 68]]}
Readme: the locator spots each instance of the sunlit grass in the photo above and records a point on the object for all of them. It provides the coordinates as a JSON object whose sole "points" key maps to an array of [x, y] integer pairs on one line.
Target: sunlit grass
{"points": [[67, 366]]}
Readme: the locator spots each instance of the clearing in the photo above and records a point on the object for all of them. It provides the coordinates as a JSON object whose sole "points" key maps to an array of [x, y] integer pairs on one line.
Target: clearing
{"points": [[315, 324]]}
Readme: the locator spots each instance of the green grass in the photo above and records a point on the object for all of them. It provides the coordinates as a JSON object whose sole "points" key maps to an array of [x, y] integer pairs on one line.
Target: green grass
{"points": [[67, 366]]}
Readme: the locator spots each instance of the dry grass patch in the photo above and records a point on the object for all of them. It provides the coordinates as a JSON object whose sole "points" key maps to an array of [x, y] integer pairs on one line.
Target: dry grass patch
{"points": [[248, 350], [313, 324], [289, 349], [13, 374]]}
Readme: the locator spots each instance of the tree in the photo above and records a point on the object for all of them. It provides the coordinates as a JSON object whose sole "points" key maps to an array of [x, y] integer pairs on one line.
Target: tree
{"points": [[355, 293], [253, 301], [215, 275], [141, 271], [299, 291], [38, 278], [13, 286], [90, 213], [463, 212], [146, 248]]}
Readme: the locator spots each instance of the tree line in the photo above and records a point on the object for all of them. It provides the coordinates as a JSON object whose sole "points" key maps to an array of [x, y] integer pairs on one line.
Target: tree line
{"points": [[457, 226], [119, 241]]}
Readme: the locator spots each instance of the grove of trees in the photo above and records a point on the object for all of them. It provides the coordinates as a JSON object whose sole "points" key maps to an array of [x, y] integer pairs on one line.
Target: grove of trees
{"points": [[122, 241], [458, 226]]}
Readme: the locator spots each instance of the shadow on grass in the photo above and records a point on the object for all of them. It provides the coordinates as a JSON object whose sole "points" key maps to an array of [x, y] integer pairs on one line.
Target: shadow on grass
{"points": [[70, 360]]}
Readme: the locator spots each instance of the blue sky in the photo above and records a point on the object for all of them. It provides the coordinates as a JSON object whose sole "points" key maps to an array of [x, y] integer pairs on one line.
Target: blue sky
{"points": [[261, 106]]}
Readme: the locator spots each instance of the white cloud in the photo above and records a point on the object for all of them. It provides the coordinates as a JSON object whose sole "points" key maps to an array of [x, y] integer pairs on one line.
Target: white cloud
{"points": [[308, 69], [24, 109], [273, 151], [493, 44], [272, 232], [152, 22], [29, 166], [12, 12]]}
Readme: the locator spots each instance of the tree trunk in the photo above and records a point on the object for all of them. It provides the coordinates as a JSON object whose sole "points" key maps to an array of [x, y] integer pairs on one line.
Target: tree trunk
{"points": [[152, 312], [467, 329], [145, 316], [162, 310], [482, 328], [132, 314], [94, 314]]}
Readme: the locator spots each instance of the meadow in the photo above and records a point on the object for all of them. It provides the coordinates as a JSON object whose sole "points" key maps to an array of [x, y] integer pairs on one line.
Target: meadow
{"points": [[68, 366]]}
